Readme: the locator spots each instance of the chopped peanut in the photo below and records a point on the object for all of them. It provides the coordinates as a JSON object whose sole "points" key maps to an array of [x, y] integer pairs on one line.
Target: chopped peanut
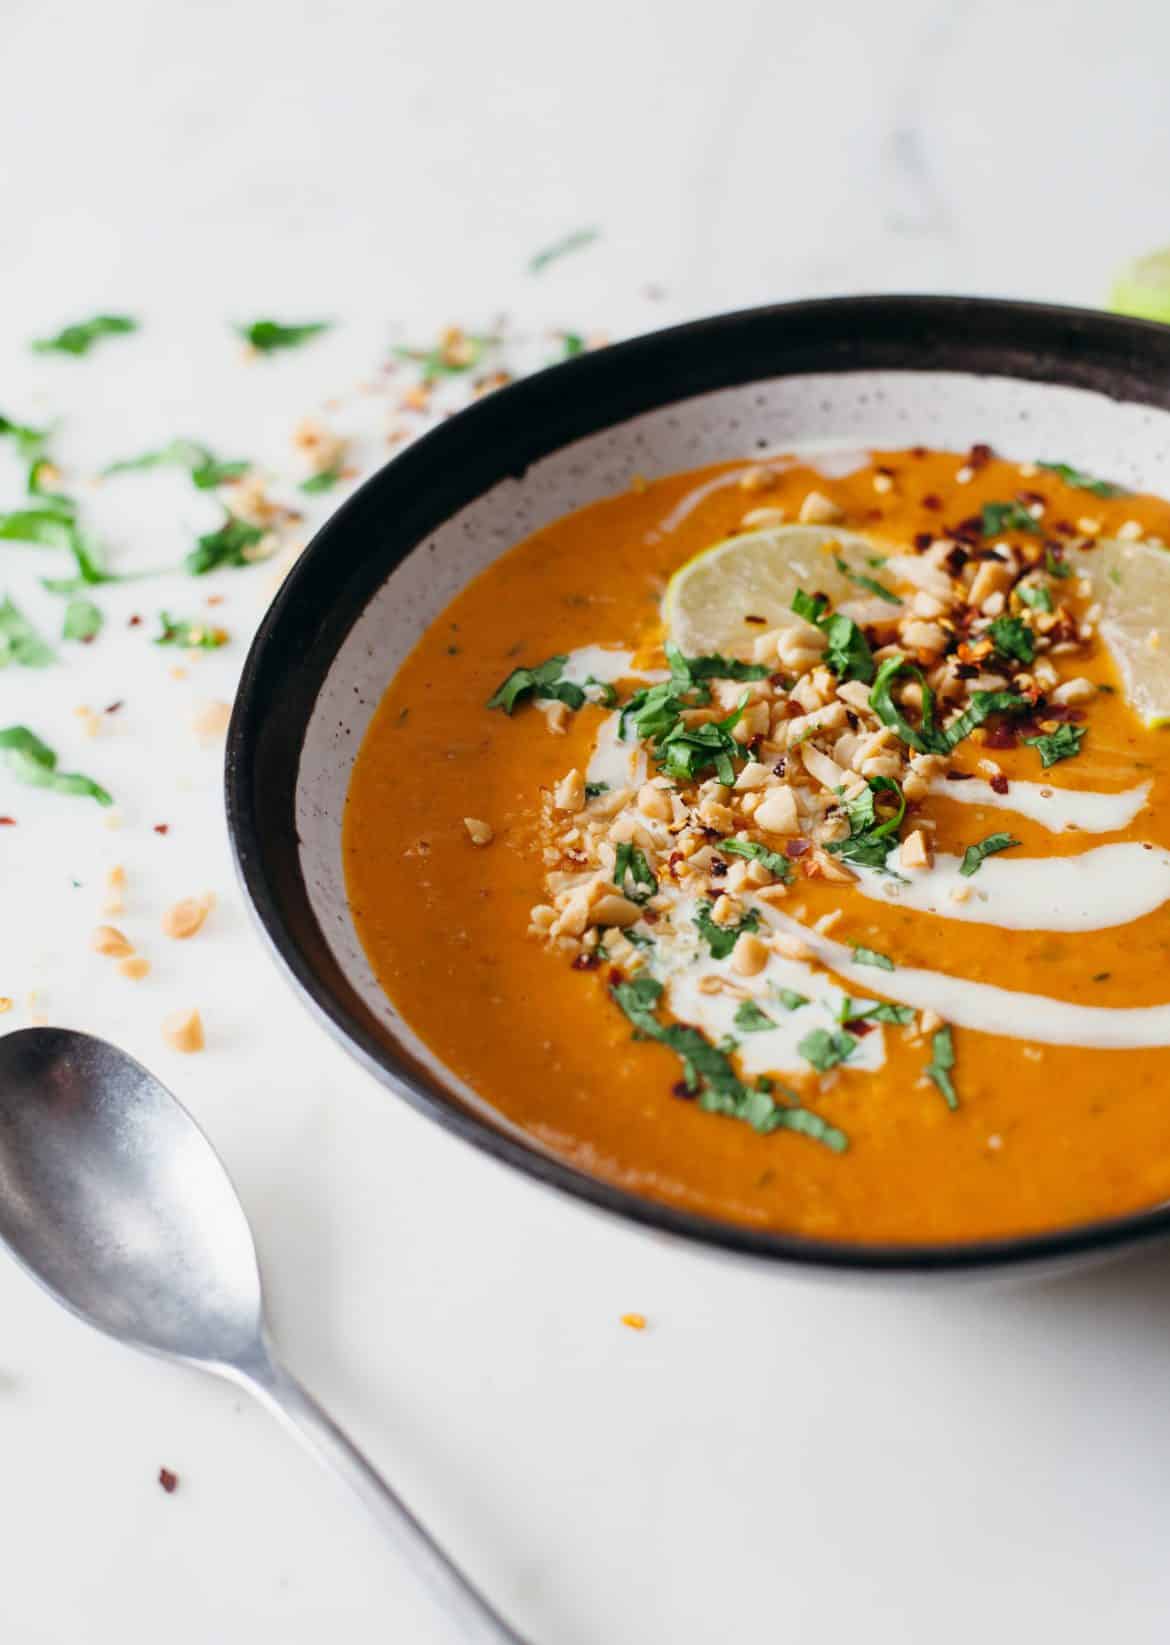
{"points": [[210, 721], [817, 509], [108, 940], [570, 792], [749, 956], [183, 1031], [478, 831], [915, 850], [185, 917], [134, 966]]}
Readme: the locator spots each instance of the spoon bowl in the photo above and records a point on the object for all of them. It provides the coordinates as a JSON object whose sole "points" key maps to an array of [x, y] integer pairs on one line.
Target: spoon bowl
{"points": [[112, 1197]]}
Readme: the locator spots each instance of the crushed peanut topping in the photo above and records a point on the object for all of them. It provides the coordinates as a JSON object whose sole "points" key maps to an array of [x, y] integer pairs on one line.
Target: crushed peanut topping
{"points": [[183, 1031]]}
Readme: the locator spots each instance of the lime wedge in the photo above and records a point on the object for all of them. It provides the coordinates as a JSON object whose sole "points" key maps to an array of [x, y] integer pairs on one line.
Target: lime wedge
{"points": [[710, 599], [1132, 582], [1143, 289]]}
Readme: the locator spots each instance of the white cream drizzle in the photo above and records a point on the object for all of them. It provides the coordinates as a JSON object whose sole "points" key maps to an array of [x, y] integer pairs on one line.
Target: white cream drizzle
{"points": [[1056, 809], [601, 662], [1111, 885], [613, 762]]}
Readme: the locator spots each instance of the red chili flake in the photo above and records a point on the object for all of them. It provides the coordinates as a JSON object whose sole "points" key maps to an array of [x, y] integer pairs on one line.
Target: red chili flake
{"points": [[966, 671], [718, 868], [1065, 528], [797, 848], [7, 822], [918, 451], [923, 539], [615, 976], [682, 1090], [134, 621], [674, 859], [162, 828], [999, 783], [932, 502], [749, 618], [168, 1481], [860, 1026], [1028, 498], [958, 776], [650, 916], [956, 560], [1000, 736], [585, 962], [112, 708], [979, 456]]}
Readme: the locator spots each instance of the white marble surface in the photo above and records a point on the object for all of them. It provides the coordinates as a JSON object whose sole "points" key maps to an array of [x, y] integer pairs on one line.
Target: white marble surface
{"points": [[774, 1458]]}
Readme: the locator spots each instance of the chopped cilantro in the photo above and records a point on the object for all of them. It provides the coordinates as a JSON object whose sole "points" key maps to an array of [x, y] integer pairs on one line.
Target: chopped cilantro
{"points": [[49, 528], [1036, 595], [847, 652], [542, 683], [227, 545], [751, 1019], [870, 584], [266, 336], [881, 700], [708, 1072], [631, 864], [28, 440], [192, 636], [1061, 744], [608, 696], [687, 751], [981, 705], [571, 343], [974, 855], [871, 956], [83, 620], [789, 998], [31, 761], [999, 517], [325, 480], [1082, 481], [19, 641], [942, 1060], [871, 837], [1056, 567], [80, 338], [205, 468], [688, 672], [882, 1011], [592, 790], [721, 939], [826, 1047], [773, 861], [1013, 639], [577, 241], [40, 471]]}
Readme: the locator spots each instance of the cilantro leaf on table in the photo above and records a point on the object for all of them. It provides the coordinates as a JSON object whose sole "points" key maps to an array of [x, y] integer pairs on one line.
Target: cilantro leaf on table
{"points": [[28, 440], [267, 336], [324, 480], [79, 338], [191, 636], [19, 641], [576, 241], [206, 470], [228, 545], [83, 620], [33, 762]]}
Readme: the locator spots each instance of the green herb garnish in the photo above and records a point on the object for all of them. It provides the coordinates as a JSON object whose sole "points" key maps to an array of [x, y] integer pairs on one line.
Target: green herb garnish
{"points": [[871, 836], [631, 864], [870, 584], [542, 683], [1056, 568], [1037, 596], [592, 790], [1013, 639], [607, 693], [942, 1060], [826, 1047], [266, 336], [974, 855], [710, 1075], [871, 956], [19, 641], [191, 636], [789, 998], [226, 546], [687, 751], [721, 939], [325, 480], [83, 620], [80, 338], [999, 517], [688, 672], [577, 241], [33, 762], [926, 738], [751, 1019], [28, 440], [49, 528], [773, 861], [205, 468], [1082, 481], [1061, 744], [446, 359], [883, 1011], [39, 470]]}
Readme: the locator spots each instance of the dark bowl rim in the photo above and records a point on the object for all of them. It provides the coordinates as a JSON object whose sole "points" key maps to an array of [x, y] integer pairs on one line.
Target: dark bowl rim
{"points": [[1123, 358]]}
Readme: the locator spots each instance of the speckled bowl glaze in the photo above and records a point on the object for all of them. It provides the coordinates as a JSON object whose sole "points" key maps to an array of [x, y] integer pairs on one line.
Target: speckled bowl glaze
{"points": [[1033, 381]]}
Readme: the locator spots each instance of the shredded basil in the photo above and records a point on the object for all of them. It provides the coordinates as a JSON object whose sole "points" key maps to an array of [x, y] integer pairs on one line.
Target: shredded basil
{"points": [[1013, 639], [870, 584], [33, 762], [631, 864], [826, 1047], [974, 855], [577, 241], [266, 336], [871, 956], [999, 517], [323, 481], [721, 939], [773, 861], [871, 837], [1037, 596], [942, 1060], [79, 338], [226, 546], [1061, 744], [789, 998], [847, 652], [19, 641], [1084, 482], [28, 440], [542, 683], [190, 635], [205, 468], [750, 1019], [83, 620]]}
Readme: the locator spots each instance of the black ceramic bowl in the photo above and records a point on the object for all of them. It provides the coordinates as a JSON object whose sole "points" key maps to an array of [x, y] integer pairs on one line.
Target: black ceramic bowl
{"points": [[1034, 381]]}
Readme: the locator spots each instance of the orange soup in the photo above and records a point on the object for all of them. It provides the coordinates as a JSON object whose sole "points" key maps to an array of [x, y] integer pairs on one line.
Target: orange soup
{"points": [[793, 845]]}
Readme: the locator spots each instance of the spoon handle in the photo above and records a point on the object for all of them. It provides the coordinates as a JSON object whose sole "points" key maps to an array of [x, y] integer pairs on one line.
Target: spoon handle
{"points": [[472, 1618]]}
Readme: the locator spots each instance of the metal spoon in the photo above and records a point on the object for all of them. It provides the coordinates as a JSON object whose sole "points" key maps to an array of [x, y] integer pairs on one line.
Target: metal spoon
{"points": [[112, 1197]]}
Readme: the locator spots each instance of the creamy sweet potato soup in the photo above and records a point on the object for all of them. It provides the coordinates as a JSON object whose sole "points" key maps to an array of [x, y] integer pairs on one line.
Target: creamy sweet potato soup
{"points": [[791, 843]]}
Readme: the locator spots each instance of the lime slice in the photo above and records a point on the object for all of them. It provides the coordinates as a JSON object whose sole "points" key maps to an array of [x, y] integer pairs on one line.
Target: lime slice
{"points": [[710, 599], [1132, 582], [1143, 289]]}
